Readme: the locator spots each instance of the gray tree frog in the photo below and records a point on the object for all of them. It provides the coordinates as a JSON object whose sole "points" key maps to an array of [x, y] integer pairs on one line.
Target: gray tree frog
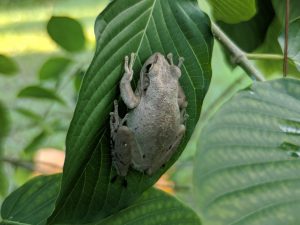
{"points": [[155, 124]]}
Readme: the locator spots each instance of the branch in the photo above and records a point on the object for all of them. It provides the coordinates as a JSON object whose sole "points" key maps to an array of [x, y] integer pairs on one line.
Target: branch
{"points": [[239, 56]]}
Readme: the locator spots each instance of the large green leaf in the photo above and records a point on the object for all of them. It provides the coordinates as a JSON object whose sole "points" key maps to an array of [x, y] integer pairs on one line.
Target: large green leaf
{"points": [[247, 166], [38, 92], [67, 33], [32, 203], [153, 208], [143, 27], [8, 66], [233, 11], [4, 128]]}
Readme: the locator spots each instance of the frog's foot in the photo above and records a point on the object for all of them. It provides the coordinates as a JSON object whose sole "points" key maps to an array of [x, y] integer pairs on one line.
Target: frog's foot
{"points": [[128, 67], [169, 152], [180, 63], [183, 116], [170, 58]]}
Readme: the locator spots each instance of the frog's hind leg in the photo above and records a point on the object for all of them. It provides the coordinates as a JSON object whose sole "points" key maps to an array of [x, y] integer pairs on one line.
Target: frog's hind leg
{"points": [[122, 141], [169, 152]]}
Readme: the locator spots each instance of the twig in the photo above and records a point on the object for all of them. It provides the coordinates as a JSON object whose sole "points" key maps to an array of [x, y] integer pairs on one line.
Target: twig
{"points": [[286, 37], [28, 165], [239, 55]]}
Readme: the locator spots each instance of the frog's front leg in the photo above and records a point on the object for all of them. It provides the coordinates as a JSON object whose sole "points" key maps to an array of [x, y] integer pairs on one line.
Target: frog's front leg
{"points": [[169, 152], [127, 94]]}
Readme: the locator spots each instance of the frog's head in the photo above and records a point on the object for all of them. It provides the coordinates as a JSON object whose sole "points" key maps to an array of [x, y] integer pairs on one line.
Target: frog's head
{"points": [[157, 65]]}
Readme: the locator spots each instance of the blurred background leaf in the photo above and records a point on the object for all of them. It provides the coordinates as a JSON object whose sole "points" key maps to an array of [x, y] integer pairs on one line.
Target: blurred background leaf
{"points": [[67, 33], [4, 129], [54, 68], [8, 66], [41, 93]]}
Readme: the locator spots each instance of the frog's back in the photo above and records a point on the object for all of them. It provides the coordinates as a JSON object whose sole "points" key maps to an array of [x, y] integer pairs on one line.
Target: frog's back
{"points": [[154, 126]]}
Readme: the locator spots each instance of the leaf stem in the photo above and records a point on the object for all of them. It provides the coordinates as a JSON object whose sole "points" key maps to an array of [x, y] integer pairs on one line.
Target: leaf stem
{"points": [[239, 56], [286, 38]]}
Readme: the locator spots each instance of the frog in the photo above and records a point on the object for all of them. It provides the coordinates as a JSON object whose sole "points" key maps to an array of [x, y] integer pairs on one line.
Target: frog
{"points": [[150, 133]]}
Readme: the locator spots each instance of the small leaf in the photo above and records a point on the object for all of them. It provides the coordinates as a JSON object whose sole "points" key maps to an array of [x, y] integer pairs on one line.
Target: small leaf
{"points": [[29, 114], [53, 68], [248, 160], [233, 11], [36, 142], [67, 33], [8, 66], [4, 122], [38, 92], [4, 128], [32, 203]]}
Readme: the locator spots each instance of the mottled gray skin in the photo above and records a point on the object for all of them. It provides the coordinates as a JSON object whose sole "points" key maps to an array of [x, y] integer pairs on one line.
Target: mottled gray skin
{"points": [[155, 124]]}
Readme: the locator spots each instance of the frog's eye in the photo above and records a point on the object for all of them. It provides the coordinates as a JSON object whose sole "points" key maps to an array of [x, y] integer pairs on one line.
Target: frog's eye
{"points": [[149, 67]]}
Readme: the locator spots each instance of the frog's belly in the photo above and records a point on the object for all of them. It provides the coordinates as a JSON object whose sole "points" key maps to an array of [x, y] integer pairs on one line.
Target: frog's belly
{"points": [[154, 130]]}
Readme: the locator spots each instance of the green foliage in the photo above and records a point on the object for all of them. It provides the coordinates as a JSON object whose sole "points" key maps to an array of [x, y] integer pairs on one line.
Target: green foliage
{"points": [[4, 128], [41, 93], [54, 68], [29, 114], [246, 170], [143, 27], [67, 33], [250, 34], [154, 207], [233, 11], [293, 41], [32, 203], [8, 66], [36, 142]]}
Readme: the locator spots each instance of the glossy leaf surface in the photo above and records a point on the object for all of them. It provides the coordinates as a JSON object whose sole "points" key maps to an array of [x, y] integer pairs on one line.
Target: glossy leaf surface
{"points": [[247, 166]]}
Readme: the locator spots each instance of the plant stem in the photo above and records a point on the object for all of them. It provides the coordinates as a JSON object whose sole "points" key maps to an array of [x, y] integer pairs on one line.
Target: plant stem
{"points": [[239, 56], [286, 38], [255, 56], [27, 164]]}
